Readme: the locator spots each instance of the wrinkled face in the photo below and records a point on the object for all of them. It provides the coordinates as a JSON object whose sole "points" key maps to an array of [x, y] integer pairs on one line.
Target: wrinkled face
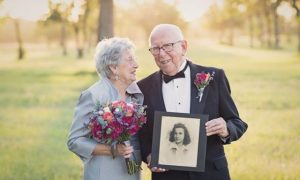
{"points": [[179, 135], [171, 51], [126, 70]]}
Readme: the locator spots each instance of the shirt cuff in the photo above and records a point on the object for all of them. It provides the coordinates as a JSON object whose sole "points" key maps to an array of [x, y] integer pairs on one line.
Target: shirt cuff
{"points": [[224, 139]]}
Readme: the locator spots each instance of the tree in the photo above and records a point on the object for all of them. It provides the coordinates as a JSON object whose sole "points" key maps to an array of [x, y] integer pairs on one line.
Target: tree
{"points": [[226, 20], [256, 23], [296, 6], [76, 16], [78, 22], [16, 21], [250, 17], [263, 22], [106, 19], [58, 14], [21, 51], [232, 19], [84, 24], [275, 4], [215, 20], [155, 12]]}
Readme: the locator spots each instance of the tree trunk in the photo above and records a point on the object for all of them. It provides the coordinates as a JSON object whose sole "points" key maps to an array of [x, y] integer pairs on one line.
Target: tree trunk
{"points": [[299, 36], [276, 25], [268, 24], [79, 44], [276, 31], [106, 23], [220, 37], [63, 37], [231, 35], [295, 6], [262, 27], [251, 29], [85, 43], [21, 51]]}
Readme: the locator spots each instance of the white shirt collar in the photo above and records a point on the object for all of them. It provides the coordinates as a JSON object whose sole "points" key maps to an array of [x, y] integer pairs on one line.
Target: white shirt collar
{"points": [[182, 65]]}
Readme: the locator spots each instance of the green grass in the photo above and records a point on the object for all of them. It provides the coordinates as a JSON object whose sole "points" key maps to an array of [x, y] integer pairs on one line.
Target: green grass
{"points": [[38, 96]]}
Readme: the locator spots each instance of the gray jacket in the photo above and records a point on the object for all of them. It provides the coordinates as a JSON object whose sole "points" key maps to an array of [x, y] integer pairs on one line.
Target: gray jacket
{"points": [[100, 167]]}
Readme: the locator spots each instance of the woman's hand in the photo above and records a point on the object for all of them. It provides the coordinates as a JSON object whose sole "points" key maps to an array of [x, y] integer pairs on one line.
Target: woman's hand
{"points": [[124, 150]]}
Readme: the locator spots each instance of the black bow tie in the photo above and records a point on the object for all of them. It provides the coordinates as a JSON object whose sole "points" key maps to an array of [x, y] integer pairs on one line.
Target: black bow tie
{"points": [[180, 74]]}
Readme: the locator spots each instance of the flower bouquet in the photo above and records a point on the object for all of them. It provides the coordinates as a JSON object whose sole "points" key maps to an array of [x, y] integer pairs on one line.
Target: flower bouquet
{"points": [[115, 123]]}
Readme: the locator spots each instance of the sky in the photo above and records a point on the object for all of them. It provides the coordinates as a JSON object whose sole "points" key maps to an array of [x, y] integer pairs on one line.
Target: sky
{"points": [[193, 9], [190, 10], [25, 9], [36, 9]]}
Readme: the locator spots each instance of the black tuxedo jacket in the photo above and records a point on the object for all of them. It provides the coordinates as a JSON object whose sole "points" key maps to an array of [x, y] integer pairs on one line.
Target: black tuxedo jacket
{"points": [[216, 102]]}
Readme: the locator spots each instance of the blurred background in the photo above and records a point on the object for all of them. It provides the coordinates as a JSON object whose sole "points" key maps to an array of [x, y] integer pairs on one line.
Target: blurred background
{"points": [[46, 60]]}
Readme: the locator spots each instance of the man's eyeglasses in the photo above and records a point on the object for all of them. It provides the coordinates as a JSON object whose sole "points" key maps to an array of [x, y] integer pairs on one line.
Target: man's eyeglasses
{"points": [[166, 47]]}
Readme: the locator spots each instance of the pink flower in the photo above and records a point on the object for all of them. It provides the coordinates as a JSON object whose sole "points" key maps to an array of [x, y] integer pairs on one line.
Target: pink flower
{"points": [[107, 116], [129, 111], [96, 129], [118, 104]]}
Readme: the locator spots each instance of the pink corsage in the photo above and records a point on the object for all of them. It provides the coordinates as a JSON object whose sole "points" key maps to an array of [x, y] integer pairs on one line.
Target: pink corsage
{"points": [[201, 81]]}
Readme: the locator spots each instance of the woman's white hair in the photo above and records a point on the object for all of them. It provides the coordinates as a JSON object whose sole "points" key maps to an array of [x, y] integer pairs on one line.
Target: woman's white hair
{"points": [[109, 53]]}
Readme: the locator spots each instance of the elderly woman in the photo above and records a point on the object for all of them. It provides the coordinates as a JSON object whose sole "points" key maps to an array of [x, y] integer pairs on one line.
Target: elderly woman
{"points": [[116, 64]]}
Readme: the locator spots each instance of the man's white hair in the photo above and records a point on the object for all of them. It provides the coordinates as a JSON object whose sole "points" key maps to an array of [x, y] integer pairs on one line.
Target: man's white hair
{"points": [[170, 28]]}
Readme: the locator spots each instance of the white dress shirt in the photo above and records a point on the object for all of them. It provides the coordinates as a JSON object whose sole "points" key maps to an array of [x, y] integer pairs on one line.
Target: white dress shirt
{"points": [[177, 93]]}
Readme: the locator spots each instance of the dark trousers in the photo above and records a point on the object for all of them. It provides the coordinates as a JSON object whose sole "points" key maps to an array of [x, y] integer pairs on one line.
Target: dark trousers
{"points": [[214, 170]]}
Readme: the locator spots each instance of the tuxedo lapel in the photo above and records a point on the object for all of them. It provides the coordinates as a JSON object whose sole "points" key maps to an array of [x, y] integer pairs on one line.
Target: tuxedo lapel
{"points": [[158, 100], [196, 106]]}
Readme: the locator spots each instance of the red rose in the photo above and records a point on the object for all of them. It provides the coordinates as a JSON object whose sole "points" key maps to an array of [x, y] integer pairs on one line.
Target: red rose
{"points": [[127, 120], [202, 76]]}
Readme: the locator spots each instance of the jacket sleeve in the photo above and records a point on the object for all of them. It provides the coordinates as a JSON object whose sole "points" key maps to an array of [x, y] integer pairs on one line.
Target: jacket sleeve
{"points": [[79, 140], [145, 133], [229, 112], [145, 137]]}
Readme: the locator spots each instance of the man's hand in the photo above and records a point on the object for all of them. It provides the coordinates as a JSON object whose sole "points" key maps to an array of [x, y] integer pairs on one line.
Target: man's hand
{"points": [[217, 126], [154, 169]]}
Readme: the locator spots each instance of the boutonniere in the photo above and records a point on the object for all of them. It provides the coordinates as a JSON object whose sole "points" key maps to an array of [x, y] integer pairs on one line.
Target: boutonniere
{"points": [[201, 81]]}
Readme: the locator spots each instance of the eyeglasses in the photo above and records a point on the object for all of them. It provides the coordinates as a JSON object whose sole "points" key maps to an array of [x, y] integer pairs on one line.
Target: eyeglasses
{"points": [[166, 47]]}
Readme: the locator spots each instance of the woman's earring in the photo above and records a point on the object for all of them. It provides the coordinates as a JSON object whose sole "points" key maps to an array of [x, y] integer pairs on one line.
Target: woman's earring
{"points": [[116, 77]]}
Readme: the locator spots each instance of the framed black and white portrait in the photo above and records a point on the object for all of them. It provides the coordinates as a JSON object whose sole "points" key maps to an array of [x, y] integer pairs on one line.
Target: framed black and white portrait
{"points": [[179, 141]]}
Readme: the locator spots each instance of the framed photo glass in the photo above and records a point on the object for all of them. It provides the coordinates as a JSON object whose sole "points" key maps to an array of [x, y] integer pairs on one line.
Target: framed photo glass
{"points": [[179, 141]]}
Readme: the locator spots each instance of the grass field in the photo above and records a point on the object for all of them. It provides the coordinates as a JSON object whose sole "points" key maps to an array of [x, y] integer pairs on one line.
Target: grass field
{"points": [[38, 95]]}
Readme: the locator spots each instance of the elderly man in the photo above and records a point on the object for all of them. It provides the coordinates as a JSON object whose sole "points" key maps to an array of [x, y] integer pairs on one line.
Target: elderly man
{"points": [[172, 89]]}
